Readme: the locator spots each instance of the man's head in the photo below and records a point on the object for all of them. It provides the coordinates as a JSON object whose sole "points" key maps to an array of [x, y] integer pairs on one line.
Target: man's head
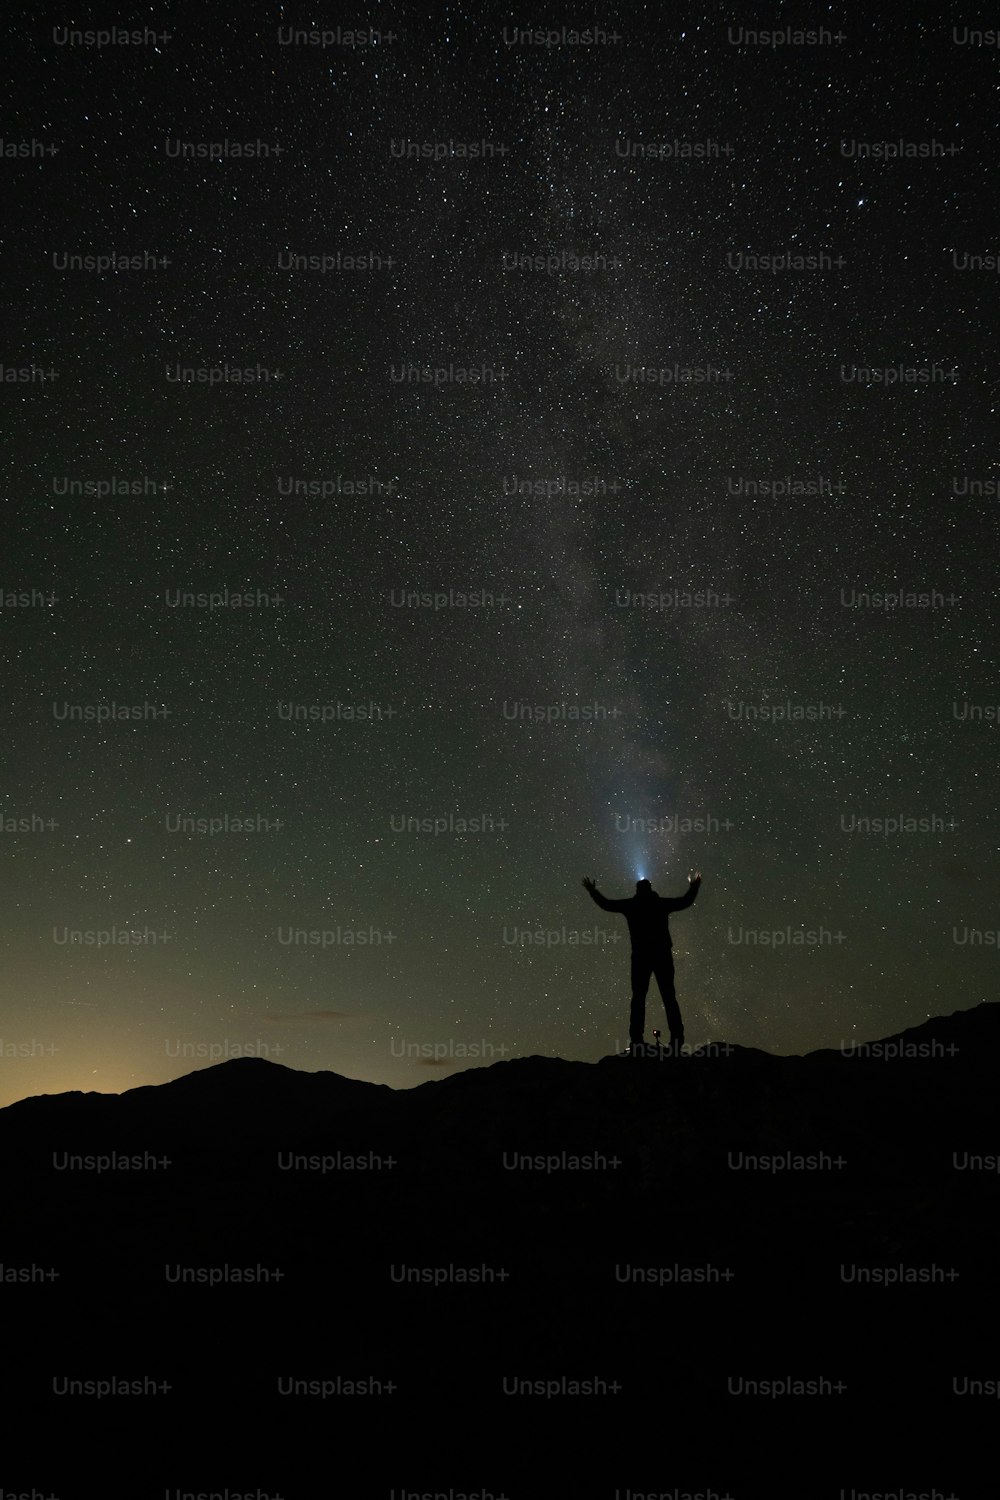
{"points": [[643, 888]]}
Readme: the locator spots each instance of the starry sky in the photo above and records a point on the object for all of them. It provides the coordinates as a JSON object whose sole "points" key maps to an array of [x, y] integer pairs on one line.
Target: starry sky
{"points": [[603, 596]]}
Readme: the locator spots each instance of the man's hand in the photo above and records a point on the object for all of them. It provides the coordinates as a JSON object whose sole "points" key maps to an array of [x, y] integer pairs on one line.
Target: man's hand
{"points": [[695, 879], [589, 885]]}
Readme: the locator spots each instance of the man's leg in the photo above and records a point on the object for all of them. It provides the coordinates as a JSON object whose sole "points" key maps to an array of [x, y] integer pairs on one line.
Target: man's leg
{"points": [[642, 968], [664, 970]]}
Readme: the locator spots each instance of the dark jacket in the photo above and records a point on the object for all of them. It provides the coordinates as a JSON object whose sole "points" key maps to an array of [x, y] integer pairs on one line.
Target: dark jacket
{"points": [[647, 916]]}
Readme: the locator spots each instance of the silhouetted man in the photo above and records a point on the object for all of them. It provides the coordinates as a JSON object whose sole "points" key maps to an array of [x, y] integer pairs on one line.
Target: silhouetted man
{"points": [[652, 951]]}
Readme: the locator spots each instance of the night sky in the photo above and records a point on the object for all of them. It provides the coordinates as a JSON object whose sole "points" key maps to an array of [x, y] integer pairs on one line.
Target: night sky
{"points": [[648, 485]]}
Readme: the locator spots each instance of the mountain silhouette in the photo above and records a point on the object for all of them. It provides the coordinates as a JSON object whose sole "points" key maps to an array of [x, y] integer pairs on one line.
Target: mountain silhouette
{"points": [[580, 1181]]}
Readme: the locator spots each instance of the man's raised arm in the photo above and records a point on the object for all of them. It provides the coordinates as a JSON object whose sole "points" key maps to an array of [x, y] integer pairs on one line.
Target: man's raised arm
{"points": [[602, 901], [678, 903]]}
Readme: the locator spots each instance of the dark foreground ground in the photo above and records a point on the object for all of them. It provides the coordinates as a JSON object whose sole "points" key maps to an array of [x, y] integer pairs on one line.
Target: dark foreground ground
{"points": [[680, 1229]]}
